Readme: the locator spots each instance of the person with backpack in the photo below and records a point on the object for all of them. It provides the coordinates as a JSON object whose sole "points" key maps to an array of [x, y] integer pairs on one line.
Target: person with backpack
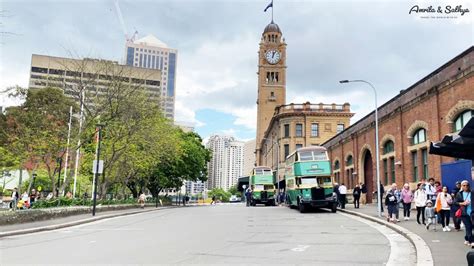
{"points": [[391, 202]]}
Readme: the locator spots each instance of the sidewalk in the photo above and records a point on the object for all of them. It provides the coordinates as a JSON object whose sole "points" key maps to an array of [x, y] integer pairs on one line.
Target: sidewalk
{"points": [[447, 248], [32, 227]]}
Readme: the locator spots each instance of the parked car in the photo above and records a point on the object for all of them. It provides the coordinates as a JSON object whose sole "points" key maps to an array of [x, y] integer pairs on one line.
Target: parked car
{"points": [[234, 198]]}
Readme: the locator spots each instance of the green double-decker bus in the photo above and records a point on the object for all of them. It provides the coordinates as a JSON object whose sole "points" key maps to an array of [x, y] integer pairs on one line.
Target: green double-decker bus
{"points": [[262, 184], [308, 179]]}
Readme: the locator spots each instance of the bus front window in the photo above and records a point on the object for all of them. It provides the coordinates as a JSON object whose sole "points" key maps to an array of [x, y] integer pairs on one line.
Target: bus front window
{"points": [[306, 156], [269, 187], [308, 181], [258, 187]]}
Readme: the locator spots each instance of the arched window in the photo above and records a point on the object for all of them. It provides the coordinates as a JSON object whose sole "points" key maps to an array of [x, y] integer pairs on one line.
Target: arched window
{"points": [[462, 120], [336, 165], [388, 147], [419, 136], [349, 161]]}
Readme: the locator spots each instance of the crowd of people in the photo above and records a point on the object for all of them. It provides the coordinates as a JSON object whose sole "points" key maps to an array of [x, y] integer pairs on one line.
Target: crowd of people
{"points": [[435, 205], [23, 201]]}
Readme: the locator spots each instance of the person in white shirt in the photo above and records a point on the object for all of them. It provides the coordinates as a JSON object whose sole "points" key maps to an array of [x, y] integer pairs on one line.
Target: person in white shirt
{"points": [[343, 192], [430, 190], [444, 201], [420, 203]]}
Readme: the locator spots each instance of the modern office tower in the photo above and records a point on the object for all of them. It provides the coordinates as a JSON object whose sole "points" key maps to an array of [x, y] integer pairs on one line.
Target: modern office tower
{"points": [[150, 52], [93, 75]]}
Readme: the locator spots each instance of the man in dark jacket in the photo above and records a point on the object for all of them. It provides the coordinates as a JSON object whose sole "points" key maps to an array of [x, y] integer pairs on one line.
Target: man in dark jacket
{"points": [[338, 195], [356, 194], [454, 207], [379, 197]]}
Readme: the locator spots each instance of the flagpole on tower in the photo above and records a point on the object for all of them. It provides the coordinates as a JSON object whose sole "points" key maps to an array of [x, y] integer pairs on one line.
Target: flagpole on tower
{"points": [[272, 11]]}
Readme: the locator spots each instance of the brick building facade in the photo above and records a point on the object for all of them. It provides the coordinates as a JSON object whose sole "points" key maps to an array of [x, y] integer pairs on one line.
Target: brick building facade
{"points": [[439, 104]]}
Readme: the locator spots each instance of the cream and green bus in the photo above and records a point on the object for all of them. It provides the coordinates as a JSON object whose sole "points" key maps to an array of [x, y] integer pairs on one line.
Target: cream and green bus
{"points": [[308, 179], [262, 183]]}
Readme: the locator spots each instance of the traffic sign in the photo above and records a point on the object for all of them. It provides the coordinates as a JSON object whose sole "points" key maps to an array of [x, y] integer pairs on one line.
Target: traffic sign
{"points": [[101, 166]]}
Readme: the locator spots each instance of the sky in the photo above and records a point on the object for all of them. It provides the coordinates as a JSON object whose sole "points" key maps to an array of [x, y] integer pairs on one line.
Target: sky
{"points": [[217, 42]]}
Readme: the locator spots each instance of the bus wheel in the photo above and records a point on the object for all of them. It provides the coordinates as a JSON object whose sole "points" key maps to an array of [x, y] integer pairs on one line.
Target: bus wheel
{"points": [[334, 207]]}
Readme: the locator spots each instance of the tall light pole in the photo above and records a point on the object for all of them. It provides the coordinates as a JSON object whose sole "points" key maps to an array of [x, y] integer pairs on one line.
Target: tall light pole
{"points": [[377, 160]]}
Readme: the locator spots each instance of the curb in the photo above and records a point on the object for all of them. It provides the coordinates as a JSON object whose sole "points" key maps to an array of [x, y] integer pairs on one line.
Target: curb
{"points": [[423, 252], [69, 224]]}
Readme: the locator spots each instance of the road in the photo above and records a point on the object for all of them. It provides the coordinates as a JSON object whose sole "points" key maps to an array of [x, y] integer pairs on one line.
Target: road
{"points": [[222, 234]]}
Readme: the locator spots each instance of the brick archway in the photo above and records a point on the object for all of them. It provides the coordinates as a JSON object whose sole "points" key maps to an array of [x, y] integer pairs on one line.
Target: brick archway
{"points": [[368, 170], [457, 109]]}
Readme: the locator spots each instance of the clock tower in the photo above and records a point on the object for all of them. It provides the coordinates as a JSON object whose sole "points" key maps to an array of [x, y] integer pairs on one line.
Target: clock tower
{"points": [[271, 80]]}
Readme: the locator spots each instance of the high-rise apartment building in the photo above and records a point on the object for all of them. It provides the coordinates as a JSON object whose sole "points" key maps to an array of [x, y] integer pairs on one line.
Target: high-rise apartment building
{"points": [[226, 164], [150, 52]]}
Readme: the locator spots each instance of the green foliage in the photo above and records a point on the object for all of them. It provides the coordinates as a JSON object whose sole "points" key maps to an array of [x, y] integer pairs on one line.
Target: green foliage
{"points": [[37, 130], [220, 194], [66, 202], [234, 191]]}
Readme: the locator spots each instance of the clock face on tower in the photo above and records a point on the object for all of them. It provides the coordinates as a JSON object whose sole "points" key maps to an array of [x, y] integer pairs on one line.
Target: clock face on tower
{"points": [[272, 56]]}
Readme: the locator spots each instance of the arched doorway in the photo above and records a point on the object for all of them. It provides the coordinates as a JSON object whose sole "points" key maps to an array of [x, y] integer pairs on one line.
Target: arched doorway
{"points": [[368, 175]]}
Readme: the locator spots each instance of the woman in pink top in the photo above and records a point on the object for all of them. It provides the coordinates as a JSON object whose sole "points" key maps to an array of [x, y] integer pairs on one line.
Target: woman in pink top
{"points": [[407, 198]]}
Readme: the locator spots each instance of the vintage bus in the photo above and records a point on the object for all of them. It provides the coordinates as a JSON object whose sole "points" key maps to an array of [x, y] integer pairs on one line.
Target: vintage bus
{"points": [[262, 183], [308, 179]]}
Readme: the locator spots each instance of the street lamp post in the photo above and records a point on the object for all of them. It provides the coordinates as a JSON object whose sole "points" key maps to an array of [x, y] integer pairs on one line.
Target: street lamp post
{"points": [[379, 196], [96, 174]]}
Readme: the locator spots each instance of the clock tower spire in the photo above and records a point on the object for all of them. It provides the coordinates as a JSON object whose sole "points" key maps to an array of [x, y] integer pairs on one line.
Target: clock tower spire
{"points": [[271, 80]]}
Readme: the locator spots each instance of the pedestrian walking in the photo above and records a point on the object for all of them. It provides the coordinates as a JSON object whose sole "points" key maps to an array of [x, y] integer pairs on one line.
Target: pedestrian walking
{"points": [[363, 196], [248, 196], [430, 215], [141, 200], [464, 199], [342, 194], [15, 198], [420, 203], [430, 189], [213, 202], [338, 194], [356, 192], [391, 203], [407, 198], [454, 207], [33, 197], [398, 195], [443, 206]]}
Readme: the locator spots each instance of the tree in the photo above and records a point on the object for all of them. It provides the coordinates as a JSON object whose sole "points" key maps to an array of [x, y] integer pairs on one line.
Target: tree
{"points": [[37, 130], [220, 194], [233, 190]]}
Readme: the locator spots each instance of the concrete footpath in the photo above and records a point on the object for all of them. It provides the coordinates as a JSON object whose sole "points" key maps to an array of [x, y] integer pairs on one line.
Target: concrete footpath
{"points": [[446, 248], [33, 227]]}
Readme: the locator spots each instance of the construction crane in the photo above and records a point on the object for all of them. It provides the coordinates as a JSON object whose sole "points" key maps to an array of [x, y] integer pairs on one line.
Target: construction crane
{"points": [[122, 23]]}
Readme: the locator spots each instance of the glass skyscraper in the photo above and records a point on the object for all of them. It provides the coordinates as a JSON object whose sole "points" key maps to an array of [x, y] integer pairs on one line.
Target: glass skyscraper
{"points": [[150, 52]]}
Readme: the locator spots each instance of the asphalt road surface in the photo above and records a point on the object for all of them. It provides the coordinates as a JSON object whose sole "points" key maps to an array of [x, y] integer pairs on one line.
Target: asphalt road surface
{"points": [[222, 234]]}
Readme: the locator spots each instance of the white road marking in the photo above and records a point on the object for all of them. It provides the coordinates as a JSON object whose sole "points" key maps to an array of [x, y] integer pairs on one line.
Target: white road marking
{"points": [[435, 241], [93, 241], [300, 248], [400, 247]]}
